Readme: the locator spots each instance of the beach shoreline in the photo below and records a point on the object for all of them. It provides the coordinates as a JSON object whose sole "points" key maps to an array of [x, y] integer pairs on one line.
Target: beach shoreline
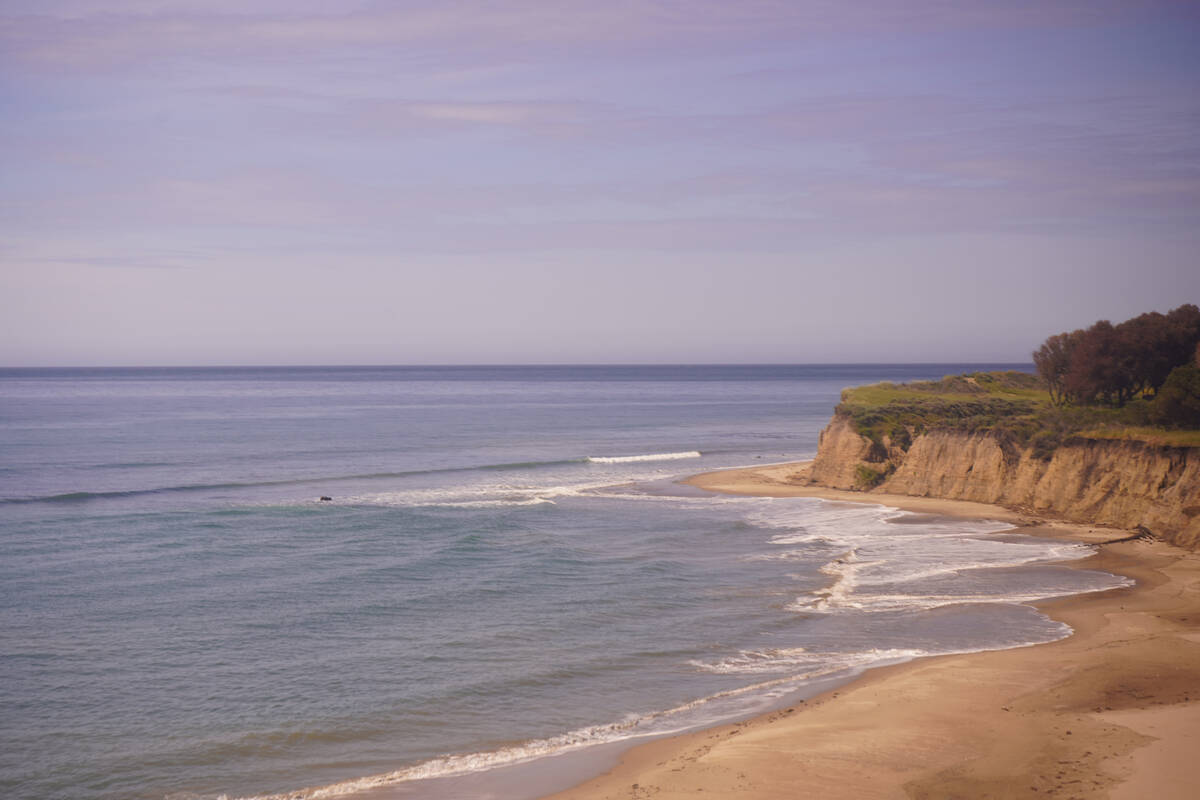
{"points": [[1109, 711]]}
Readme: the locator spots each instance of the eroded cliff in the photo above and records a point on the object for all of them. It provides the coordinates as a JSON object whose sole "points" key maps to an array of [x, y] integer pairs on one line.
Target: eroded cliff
{"points": [[1109, 482]]}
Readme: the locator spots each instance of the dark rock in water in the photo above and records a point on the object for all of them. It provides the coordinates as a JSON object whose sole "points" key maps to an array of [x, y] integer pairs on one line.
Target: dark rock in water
{"points": [[325, 498]]}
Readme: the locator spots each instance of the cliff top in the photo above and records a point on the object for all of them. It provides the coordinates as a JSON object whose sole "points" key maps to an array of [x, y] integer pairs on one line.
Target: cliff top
{"points": [[1014, 405]]}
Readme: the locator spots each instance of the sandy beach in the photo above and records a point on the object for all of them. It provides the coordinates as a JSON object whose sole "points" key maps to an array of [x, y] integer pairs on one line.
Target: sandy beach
{"points": [[1112, 711]]}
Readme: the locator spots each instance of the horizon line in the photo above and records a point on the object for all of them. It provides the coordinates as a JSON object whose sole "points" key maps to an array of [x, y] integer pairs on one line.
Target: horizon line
{"points": [[526, 365]]}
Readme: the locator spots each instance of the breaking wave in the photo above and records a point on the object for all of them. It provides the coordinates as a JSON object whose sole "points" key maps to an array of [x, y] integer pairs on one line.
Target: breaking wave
{"points": [[647, 457]]}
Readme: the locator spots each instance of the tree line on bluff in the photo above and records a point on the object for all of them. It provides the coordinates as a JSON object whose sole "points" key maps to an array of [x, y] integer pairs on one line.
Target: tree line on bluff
{"points": [[1149, 364]]}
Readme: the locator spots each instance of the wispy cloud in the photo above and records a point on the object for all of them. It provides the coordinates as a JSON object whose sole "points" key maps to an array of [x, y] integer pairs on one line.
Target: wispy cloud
{"points": [[84, 34], [180, 138]]}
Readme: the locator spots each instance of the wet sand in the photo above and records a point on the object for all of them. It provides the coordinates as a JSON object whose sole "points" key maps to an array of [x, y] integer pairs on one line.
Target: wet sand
{"points": [[1112, 711]]}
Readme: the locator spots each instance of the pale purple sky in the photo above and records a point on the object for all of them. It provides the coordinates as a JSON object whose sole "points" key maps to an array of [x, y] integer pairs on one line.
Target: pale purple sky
{"points": [[271, 182]]}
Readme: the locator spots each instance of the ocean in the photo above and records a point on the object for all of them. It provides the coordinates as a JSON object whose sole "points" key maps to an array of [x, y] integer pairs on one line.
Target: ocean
{"points": [[507, 572]]}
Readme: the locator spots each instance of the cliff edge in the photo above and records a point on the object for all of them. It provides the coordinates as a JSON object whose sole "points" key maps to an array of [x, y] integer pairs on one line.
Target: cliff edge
{"points": [[1122, 483]]}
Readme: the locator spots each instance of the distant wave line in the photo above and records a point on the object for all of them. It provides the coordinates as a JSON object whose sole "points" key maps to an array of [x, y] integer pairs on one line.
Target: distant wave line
{"points": [[86, 496], [647, 457], [78, 497]]}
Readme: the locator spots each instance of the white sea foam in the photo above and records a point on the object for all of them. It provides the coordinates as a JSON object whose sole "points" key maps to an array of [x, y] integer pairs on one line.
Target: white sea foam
{"points": [[749, 699], [532, 501], [790, 659], [803, 667], [925, 602], [887, 567], [482, 496], [845, 571], [613, 478], [648, 457], [758, 662]]}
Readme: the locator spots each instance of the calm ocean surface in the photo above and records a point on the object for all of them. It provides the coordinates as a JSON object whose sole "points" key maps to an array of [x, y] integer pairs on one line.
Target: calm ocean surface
{"points": [[506, 570]]}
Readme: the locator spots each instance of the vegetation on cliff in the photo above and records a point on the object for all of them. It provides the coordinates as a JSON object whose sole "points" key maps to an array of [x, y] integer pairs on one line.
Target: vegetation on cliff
{"points": [[892, 414], [1151, 360], [1123, 450], [1139, 380], [1014, 406]]}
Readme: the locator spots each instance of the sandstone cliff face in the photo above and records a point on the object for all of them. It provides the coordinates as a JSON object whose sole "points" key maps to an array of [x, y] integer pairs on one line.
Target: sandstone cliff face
{"points": [[839, 452], [1108, 482]]}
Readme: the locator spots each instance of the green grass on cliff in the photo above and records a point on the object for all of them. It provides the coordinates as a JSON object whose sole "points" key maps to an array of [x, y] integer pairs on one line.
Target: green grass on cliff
{"points": [[979, 401], [971, 387], [1146, 434], [1011, 405]]}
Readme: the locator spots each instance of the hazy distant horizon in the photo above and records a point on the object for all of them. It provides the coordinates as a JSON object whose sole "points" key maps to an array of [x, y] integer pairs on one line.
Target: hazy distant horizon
{"points": [[528, 365]]}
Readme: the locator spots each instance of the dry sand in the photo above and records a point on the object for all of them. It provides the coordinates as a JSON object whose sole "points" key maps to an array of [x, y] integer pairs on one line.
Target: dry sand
{"points": [[1112, 711]]}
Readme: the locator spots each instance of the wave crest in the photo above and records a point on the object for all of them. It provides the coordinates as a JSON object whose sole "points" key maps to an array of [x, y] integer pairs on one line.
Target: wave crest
{"points": [[647, 457]]}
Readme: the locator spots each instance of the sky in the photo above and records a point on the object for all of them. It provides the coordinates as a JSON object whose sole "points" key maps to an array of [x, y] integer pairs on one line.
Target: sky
{"points": [[211, 182]]}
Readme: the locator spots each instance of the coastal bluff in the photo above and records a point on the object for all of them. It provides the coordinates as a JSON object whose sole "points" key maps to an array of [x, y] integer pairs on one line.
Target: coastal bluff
{"points": [[1114, 482]]}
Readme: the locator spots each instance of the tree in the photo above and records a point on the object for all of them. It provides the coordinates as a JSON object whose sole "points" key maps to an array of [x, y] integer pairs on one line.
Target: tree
{"points": [[1053, 361], [1143, 351], [1183, 333], [1098, 371], [1112, 364]]}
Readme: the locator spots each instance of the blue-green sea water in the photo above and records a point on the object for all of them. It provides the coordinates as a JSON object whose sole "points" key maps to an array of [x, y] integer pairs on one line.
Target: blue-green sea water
{"points": [[506, 570]]}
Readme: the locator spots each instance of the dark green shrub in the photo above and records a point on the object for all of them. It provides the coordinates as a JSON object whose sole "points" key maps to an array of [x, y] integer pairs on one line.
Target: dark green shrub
{"points": [[1177, 404], [1044, 443], [900, 437], [867, 478], [1138, 411], [877, 452]]}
